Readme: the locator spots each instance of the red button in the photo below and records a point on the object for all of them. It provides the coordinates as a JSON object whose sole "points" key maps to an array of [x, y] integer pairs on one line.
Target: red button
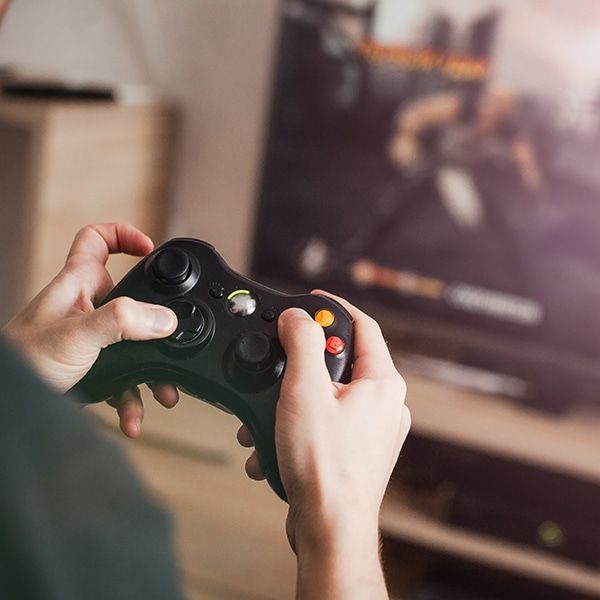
{"points": [[335, 345]]}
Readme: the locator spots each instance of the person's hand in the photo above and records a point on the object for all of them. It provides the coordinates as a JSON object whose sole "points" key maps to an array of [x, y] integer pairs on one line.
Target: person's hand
{"points": [[62, 333], [405, 152], [336, 444]]}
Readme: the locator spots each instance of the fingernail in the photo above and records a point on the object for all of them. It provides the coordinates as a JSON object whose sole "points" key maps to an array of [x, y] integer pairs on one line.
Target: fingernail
{"points": [[164, 320]]}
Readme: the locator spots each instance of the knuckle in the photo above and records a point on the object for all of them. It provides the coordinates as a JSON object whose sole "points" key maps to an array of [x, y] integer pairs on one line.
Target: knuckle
{"points": [[400, 385], [393, 389], [123, 310], [377, 328], [373, 325], [73, 263], [86, 231]]}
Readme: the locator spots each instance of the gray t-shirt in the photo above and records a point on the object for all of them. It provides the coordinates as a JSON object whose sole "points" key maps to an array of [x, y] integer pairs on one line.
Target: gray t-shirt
{"points": [[75, 521]]}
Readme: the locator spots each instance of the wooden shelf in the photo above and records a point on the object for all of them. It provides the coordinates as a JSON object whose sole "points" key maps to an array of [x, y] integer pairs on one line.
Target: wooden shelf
{"points": [[568, 444], [401, 519]]}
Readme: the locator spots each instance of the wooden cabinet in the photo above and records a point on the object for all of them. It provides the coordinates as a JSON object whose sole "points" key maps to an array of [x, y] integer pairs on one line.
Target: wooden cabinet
{"points": [[564, 444], [66, 164]]}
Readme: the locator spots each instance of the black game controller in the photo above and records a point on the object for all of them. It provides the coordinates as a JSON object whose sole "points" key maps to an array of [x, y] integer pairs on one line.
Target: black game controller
{"points": [[225, 349]]}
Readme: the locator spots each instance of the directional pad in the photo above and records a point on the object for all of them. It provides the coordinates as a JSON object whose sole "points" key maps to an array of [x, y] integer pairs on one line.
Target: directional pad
{"points": [[190, 324]]}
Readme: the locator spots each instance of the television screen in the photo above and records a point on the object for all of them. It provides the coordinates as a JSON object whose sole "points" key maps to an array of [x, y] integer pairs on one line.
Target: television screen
{"points": [[439, 162]]}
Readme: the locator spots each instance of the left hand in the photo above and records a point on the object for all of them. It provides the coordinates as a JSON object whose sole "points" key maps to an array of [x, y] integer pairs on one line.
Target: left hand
{"points": [[62, 333]]}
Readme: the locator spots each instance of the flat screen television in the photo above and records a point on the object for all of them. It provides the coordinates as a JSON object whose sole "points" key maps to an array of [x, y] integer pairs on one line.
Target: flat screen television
{"points": [[438, 163]]}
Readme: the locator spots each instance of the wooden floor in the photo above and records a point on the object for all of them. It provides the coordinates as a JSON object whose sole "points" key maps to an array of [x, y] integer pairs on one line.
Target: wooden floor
{"points": [[230, 530]]}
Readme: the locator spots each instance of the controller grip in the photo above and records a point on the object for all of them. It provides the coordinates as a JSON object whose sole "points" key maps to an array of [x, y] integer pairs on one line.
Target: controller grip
{"points": [[115, 369], [264, 440], [274, 480]]}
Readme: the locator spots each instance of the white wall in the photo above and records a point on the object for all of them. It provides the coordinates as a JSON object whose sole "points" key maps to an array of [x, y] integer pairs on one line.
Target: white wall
{"points": [[213, 57]]}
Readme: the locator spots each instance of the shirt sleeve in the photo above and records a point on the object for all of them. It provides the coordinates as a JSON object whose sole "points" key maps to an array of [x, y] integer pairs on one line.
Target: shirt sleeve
{"points": [[75, 520]]}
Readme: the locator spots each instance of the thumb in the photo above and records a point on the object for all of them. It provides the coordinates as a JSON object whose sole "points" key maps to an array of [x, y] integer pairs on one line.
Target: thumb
{"points": [[303, 341], [127, 319]]}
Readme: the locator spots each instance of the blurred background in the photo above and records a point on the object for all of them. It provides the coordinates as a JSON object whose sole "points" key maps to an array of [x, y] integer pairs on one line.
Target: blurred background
{"points": [[434, 162]]}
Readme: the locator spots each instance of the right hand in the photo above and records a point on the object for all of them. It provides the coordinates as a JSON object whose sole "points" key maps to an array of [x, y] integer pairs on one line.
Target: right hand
{"points": [[336, 444]]}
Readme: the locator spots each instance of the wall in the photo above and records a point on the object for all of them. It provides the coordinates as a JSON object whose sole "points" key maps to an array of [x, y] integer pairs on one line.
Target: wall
{"points": [[212, 57]]}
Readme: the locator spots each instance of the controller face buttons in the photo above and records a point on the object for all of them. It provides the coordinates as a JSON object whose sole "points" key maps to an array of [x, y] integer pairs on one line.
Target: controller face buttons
{"points": [[191, 324], [335, 345], [325, 318], [241, 303], [172, 266]]}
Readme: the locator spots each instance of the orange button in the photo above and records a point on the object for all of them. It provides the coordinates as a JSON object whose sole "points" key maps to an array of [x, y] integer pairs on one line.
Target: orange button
{"points": [[335, 345], [324, 317]]}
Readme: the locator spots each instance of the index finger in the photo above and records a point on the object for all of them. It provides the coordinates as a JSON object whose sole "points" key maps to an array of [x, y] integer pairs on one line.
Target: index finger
{"points": [[94, 244], [372, 357], [98, 241]]}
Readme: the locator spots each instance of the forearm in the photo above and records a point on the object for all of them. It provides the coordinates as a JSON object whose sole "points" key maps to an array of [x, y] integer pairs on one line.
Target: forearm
{"points": [[427, 112], [341, 565]]}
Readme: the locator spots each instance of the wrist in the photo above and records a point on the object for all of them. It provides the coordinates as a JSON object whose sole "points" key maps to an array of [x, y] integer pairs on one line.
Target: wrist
{"points": [[322, 509], [321, 528], [339, 558]]}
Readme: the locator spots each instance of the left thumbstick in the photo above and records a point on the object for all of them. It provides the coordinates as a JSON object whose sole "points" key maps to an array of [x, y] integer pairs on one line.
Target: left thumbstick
{"points": [[172, 266]]}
